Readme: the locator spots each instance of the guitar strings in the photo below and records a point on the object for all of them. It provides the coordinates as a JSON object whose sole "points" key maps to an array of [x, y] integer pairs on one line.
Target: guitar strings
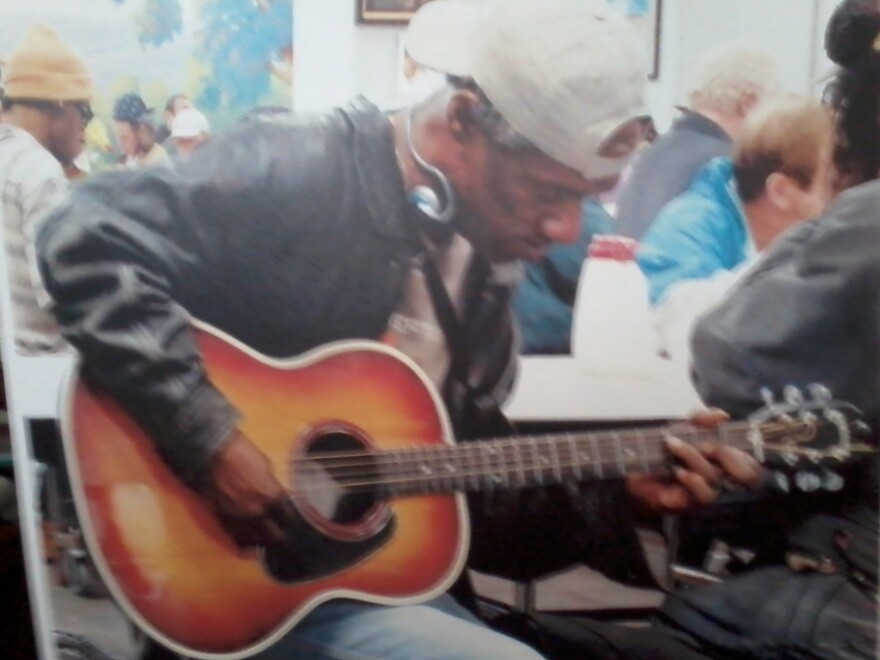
{"points": [[527, 475], [599, 441], [489, 478], [603, 439], [484, 459]]}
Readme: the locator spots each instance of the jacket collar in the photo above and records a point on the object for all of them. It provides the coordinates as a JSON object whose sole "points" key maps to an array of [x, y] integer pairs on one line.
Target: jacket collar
{"points": [[698, 123], [376, 168]]}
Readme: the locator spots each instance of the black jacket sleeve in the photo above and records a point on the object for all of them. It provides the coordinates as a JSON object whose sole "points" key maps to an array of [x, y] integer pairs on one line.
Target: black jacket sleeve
{"points": [[809, 313], [130, 255]]}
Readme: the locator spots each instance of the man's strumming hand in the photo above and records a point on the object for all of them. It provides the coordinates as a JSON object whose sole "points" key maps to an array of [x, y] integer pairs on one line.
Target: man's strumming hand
{"points": [[249, 501]]}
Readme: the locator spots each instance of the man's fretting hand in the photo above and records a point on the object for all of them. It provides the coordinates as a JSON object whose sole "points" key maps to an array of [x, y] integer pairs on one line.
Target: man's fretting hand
{"points": [[699, 475]]}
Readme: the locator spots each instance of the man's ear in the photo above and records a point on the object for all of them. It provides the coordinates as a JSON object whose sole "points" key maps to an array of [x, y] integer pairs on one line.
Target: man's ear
{"points": [[778, 190], [460, 111]]}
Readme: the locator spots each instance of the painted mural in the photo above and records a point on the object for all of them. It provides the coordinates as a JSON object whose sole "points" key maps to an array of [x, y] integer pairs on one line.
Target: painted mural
{"points": [[227, 56]]}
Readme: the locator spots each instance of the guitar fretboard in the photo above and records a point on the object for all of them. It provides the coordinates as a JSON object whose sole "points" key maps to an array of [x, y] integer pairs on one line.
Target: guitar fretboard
{"points": [[518, 462]]}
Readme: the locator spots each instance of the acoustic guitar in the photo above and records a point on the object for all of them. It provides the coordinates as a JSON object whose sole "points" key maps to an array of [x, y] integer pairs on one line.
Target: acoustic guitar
{"points": [[361, 441]]}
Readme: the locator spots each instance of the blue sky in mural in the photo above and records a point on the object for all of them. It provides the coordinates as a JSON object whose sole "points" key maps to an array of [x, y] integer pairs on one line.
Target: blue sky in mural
{"points": [[230, 54]]}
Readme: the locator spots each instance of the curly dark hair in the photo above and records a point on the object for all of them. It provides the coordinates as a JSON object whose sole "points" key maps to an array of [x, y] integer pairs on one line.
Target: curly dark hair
{"points": [[852, 41]]}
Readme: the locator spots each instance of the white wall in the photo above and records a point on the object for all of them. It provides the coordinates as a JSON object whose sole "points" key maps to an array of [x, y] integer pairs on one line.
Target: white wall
{"points": [[791, 29], [336, 58]]}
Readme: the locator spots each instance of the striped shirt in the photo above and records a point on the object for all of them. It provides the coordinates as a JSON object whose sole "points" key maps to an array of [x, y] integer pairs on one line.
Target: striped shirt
{"points": [[31, 183]]}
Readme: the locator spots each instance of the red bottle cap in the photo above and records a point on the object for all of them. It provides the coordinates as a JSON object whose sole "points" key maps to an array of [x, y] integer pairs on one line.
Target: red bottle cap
{"points": [[609, 246]]}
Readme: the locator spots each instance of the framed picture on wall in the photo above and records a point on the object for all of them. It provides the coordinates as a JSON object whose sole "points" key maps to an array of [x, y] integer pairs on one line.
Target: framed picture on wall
{"points": [[387, 11], [645, 15]]}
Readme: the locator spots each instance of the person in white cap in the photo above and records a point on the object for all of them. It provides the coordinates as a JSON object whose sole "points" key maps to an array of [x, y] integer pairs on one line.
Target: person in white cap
{"points": [[189, 129], [287, 232]]}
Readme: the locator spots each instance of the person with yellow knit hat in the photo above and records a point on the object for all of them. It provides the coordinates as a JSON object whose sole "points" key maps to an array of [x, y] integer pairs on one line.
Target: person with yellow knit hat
{"points": [[46, 108]]}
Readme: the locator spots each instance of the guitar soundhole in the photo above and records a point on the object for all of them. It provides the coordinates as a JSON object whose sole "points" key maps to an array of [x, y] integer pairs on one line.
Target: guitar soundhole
{"points": [[336, 481]]}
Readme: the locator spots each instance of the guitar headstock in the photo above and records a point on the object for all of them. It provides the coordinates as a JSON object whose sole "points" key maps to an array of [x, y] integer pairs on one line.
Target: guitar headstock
{"points": [[809, 435]]}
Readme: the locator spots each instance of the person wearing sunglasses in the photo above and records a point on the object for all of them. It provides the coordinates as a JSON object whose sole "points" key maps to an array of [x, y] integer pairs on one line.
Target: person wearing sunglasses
{"points": [[46, 108]]}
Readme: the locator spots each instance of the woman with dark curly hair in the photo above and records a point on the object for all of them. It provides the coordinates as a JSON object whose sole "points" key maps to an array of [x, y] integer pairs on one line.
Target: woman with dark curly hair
{"points": [[809, 313], [851, 41]]}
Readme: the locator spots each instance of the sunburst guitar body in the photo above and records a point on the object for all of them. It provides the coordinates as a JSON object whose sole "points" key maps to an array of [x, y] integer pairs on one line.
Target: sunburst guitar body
{"points": [[168, 562]]}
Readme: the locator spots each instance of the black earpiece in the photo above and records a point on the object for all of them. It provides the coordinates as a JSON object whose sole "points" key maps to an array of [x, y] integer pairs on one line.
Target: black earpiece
{"points": [[424, 198]]}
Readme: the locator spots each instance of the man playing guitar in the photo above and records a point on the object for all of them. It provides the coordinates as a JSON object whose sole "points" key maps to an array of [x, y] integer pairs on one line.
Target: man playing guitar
{"points": [[288, 232]]}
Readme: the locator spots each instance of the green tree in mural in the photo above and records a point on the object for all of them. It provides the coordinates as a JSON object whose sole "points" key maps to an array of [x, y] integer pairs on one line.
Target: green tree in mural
{"points": [[158, 21], [242, 41]]}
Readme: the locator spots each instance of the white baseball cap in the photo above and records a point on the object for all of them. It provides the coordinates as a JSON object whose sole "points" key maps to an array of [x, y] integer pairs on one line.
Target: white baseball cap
{"points": [[189, 123], [436, 35], [566, 74]]}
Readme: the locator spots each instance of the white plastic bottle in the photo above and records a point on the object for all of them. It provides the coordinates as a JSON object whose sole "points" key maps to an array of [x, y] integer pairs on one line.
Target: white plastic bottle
{"points": [[613, 330]]}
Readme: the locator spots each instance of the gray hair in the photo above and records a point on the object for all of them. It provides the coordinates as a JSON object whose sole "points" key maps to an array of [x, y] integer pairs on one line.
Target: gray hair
{"points": [[728, 75]]}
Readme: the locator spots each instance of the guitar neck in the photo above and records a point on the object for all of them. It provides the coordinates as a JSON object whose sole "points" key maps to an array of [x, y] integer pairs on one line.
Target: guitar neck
{"points": [[537, 461]]}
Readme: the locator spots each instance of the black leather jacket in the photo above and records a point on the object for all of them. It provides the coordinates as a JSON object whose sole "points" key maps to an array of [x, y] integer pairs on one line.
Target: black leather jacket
{"points": [[286, 233], [809, 313]]}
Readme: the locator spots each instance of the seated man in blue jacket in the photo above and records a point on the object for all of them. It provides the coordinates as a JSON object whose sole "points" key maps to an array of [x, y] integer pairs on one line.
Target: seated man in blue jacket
{"points": [[778, 176]]}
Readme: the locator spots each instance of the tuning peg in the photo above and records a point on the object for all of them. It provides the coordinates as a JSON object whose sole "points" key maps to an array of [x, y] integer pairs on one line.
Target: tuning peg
{"points": [[831, 481], [861, 429], [807, 417], [793, 396], [767, 397], [819, 393], [779, 481], [807, 481], [772, 408]]}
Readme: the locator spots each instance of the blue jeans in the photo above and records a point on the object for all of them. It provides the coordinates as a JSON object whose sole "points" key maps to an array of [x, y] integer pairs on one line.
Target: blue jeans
{"points": [[440, 629], [773, 612]]}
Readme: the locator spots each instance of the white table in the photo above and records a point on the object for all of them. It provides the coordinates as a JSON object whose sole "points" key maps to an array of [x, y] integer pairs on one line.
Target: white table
{"points": [[559, 388]]}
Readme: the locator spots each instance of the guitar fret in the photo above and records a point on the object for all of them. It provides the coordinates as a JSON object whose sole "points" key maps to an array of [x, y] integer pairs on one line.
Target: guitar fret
{"points": [[575, 462], [503, 467], [546, 462], [584, 457], [447, 471], [413, 481], [630, 456], [402, 475], [424, 469], [472, 455], [618, 453], [554, 462], [597, 455], [501, 473], [486, 452], [439, 475], [643, 450], [536, 462], [520, 464], [385, 465]]}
